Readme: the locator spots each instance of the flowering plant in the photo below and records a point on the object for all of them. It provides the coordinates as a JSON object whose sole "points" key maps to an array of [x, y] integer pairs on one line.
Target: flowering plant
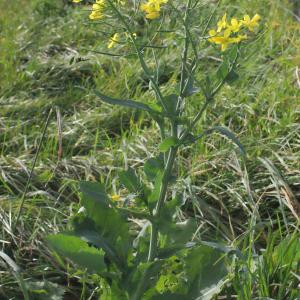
{"points": [[164, 259]]}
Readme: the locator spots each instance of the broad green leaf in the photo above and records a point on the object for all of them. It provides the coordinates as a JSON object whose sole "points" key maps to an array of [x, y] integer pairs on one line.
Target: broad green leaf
{"points": [[85, 228], [94, 190], [125, 103], [176, 234], [223, 248], [153, 166], [130, 180], [78, 251], [151, 270], [109, 223], [167, 143], [205, 272], [200, 274], [95, 201]]}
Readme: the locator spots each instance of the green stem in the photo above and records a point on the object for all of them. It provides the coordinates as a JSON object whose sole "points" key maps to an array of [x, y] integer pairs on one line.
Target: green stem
{"points": [[208, 100], [159, 205], [141, 58]]}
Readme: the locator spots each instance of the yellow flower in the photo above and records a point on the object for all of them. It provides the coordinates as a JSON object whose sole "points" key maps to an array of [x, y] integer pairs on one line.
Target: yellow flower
{"points": [[152, 8], [225, 40], [235, 25], [113, 41], [97, 12], [239, 38], [212, 33], [222, 23], [220, 40], [227, 33], [76, 1], [115, 197], [251, 23]]}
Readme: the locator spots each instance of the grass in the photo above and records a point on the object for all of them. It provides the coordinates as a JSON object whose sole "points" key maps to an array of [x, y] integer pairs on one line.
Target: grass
{"points": [[251, 203]]}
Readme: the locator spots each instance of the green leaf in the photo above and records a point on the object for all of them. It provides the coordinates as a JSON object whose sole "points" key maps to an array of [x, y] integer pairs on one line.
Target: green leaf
{"points": [[108, 221], [130, 180], [167, 143], [170, 296], [156, 191], [125, 103], [141, 242], [205, 272], [78, 251], [152, 269], [232, 54], [232, 76], [230, 135], [190, 89], [112, 291], [225, 71], [153, 166], [94, 190], [176, 234], [222, 130], [171, 103], [85, 228]]}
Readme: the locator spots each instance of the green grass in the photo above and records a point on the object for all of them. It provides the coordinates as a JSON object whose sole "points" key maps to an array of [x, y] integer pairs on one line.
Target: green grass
{"points": [[247, 203]]}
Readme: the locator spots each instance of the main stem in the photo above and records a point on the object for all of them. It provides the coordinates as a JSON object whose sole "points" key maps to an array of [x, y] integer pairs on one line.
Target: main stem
{"points": [[159, 205]]}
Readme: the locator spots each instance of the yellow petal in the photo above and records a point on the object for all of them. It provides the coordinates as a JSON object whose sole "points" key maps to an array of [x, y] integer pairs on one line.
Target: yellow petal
{"points": [[115, 197], [212, 32], [224, 47], [227, 33], [256, 18], [246, 18]]}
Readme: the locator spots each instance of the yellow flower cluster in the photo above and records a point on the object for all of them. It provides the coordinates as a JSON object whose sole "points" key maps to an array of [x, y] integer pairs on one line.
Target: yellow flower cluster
{"points": [[228, 32], [97, 11], [152, 8], [98, 8]]}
